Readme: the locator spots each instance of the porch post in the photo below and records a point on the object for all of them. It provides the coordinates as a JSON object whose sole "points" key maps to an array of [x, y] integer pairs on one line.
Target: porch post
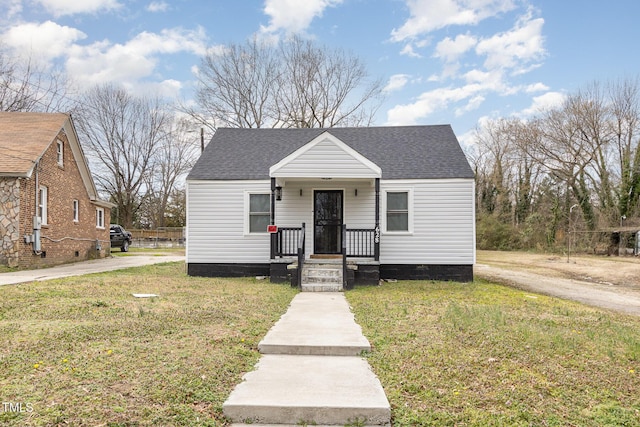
{"points": [[272, 219], [376, 238]]}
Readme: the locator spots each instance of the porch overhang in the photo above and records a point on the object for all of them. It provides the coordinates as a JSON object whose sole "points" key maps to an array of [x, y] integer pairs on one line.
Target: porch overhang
{"points": [[325, 157]]}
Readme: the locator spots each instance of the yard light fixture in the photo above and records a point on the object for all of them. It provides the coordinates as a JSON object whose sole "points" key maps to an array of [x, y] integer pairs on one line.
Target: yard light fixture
{"points": [[278, 192]]}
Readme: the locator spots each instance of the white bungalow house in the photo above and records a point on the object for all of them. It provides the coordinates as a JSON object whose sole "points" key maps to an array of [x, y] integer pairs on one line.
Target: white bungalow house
{"points": [[387, 202]]}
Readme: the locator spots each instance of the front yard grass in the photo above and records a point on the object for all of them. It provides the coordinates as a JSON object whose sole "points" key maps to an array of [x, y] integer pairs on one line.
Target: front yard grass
{"points": [[486, 355], [83, 351]]}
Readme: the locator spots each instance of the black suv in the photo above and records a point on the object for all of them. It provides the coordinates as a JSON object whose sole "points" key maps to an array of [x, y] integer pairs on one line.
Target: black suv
{"points": [[120, 238]]}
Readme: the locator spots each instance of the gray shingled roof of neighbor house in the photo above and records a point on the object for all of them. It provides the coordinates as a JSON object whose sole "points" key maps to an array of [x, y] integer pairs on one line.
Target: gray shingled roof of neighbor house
{"points": [[402, 152]]}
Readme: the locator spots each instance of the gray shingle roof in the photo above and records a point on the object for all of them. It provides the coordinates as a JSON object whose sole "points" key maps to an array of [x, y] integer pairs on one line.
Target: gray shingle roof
{"points": [[402, 152]]}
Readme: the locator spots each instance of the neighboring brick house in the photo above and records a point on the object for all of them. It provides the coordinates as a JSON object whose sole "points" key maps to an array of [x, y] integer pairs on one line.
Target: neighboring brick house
{"points": [[50, 212]]}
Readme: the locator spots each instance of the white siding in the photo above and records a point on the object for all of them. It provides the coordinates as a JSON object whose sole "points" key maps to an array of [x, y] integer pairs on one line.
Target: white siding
{"points": [[443, 229], [326, 159], [216, 223]]}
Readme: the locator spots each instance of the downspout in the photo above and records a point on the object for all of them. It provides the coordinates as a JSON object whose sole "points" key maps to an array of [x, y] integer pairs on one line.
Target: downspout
{"points": [[37, 221]]}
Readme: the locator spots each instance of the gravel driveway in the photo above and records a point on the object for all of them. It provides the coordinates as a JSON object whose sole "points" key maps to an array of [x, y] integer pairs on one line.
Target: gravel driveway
{"points": [[609, 296]]}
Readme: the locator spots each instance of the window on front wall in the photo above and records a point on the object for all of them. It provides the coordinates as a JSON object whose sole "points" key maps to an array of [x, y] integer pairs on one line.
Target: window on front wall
{"points": [[42, 204], [398, 211], [76, 211], [60, 153], [259, 212], [99, 217]]}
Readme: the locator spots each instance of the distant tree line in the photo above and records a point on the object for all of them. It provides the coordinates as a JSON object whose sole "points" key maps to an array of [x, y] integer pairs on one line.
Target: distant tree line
{"points": [[574, 168]]}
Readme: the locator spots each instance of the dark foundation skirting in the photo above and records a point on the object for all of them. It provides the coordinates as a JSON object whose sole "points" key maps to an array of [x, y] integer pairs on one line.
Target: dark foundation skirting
{"points": [[228, 270], [454, 273]]}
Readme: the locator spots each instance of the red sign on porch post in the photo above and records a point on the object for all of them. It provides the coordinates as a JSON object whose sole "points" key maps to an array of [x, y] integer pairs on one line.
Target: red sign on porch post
{"points": [[272, 228]]}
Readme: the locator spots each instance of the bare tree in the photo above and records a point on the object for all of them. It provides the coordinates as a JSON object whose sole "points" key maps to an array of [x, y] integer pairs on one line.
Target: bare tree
{"points": [[324, 88], [124, 135], [573, 147], [25, 87], [625, 124], [293, 84], [173, 159], [237, 87]]}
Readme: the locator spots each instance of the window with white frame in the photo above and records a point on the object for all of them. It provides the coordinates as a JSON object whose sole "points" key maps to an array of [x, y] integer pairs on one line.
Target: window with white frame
{"points": [[42, 204], [259, 213], [100, 217], [76, 210], [60, 153], [397, 211]]}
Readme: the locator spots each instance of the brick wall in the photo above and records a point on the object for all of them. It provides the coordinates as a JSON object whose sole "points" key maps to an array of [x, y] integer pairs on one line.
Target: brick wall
{"points": [[62, 238]]}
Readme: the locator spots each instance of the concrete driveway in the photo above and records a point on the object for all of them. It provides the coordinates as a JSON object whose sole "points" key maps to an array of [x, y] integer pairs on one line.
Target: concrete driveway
{"points": [[85, 267]]}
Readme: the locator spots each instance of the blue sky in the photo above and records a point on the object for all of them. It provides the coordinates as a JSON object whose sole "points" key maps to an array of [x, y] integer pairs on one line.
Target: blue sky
{"points": [[442, 61]]}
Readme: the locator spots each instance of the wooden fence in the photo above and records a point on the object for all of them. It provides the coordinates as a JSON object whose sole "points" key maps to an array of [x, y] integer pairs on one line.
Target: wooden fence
{"points": [[159, 237]]}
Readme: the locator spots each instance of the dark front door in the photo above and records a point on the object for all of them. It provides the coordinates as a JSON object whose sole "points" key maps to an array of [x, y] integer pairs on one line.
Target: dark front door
{"points": [[327, 221]]}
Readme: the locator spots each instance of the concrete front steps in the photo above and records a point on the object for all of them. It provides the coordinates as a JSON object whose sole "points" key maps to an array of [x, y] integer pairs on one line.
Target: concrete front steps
{"points": [[311, 372], [322, 275]]}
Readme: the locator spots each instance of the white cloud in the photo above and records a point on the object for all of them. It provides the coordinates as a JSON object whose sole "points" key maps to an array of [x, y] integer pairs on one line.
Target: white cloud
{"points": [[132, 64], [137, 59], [451, 49], [167, 88], [468, 139], [171, 40], [430, 15], [409, 51], [536, 87], [473, 104], [489, 80], [396, 82], [71, 7], [14, 8], [158, 6], [294, 16], [41, 41], [515, 49], [477, 66], [543, 103], [428, 103]]}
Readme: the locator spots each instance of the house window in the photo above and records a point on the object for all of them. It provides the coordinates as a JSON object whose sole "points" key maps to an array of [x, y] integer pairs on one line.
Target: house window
{"points": [[398, 211], [259, 212], [76, 211], [60, 153], [42, 204], [99, 217]]}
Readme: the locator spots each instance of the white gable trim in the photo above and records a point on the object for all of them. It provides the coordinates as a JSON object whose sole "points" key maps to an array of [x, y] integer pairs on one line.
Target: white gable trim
{"points": [[368, 169]]}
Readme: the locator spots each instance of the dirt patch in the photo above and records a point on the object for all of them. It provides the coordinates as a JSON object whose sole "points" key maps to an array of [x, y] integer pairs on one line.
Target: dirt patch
{"points": [[607, 282]]}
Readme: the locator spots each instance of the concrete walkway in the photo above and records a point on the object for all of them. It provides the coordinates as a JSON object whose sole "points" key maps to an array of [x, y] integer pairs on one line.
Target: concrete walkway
{"points": [[311, 371], [84, 267]]}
